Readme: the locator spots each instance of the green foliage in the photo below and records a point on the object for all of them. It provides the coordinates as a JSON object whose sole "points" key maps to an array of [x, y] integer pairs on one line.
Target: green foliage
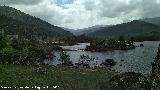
{"points": [[65, 59], [126, 81], [26, 51], [24, 56], [19, 43], [7, 55], [86, 59], [3, 41], [36, 51]]}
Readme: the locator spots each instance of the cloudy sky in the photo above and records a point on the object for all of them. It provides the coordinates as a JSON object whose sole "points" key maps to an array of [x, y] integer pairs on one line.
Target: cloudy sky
{"points": [[76, 14]]}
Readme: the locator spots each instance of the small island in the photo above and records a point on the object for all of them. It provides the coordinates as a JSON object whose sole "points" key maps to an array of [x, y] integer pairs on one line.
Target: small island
{"points": [[111, 44]]}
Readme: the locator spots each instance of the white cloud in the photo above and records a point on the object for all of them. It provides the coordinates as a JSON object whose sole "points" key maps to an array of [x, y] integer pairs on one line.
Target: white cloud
{"points": [[84, 13]]}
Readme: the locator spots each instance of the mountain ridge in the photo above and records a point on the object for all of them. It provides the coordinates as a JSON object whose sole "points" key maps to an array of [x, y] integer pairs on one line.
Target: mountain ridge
{"points": [[129, 29], [155, 20]]}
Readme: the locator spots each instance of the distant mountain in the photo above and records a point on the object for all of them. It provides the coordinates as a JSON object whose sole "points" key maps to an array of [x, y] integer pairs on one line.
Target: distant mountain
{"points": [[87, 30], [15, 21], [73, 31], [155, 21], [130, 29], [90, 29]]}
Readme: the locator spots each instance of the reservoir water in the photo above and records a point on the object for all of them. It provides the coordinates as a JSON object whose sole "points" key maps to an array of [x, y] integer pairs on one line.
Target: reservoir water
{"points": [[134, 60]]}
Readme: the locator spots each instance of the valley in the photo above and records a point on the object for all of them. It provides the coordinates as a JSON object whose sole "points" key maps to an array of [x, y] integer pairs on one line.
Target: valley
{"points": [[33, 52]]}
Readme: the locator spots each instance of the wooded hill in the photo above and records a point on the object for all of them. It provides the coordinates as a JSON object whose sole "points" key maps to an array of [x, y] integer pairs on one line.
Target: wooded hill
{"points": [[127, 30], [17, 22]]}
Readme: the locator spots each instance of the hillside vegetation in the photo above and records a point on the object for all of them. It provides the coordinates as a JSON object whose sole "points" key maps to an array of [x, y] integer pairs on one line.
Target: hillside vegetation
{"points": [[127, 30], [15, 21]]}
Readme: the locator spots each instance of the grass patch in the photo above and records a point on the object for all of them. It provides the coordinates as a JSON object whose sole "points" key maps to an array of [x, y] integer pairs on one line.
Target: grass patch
{"points": [[65, 77]]}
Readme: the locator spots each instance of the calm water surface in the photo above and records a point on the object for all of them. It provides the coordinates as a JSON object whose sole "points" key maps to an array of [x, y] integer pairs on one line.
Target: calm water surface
{"points": [[137, 60]]}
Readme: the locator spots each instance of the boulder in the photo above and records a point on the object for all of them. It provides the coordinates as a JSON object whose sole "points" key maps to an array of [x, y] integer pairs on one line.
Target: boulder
{"points": [[109, 63]]}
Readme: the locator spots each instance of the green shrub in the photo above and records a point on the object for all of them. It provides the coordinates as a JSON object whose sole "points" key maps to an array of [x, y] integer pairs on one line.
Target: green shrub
{"points": [[7, 55], [3, 42], [65, 59]]}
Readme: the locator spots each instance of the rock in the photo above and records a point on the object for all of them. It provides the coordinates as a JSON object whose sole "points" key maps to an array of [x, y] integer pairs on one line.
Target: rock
{"points": [[122, 60], [141, 45], [109, 63], [80, 65]]}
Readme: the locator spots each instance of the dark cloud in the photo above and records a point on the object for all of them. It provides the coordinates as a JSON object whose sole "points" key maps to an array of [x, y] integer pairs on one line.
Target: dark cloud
{"points": [[89, 5], [62, 2], [146, 8], [116, 8], [27, 2], [150, 8]]}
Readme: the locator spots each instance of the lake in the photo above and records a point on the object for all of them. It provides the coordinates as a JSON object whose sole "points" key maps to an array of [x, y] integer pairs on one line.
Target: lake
{"points": [[134, 60]]}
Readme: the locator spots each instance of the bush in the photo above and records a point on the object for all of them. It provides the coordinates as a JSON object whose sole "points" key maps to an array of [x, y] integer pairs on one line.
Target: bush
{"points": [[65, 59], [86, 59], [7, 55], [3, 42], [126, 81], [24, 55], [25, 51]]}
